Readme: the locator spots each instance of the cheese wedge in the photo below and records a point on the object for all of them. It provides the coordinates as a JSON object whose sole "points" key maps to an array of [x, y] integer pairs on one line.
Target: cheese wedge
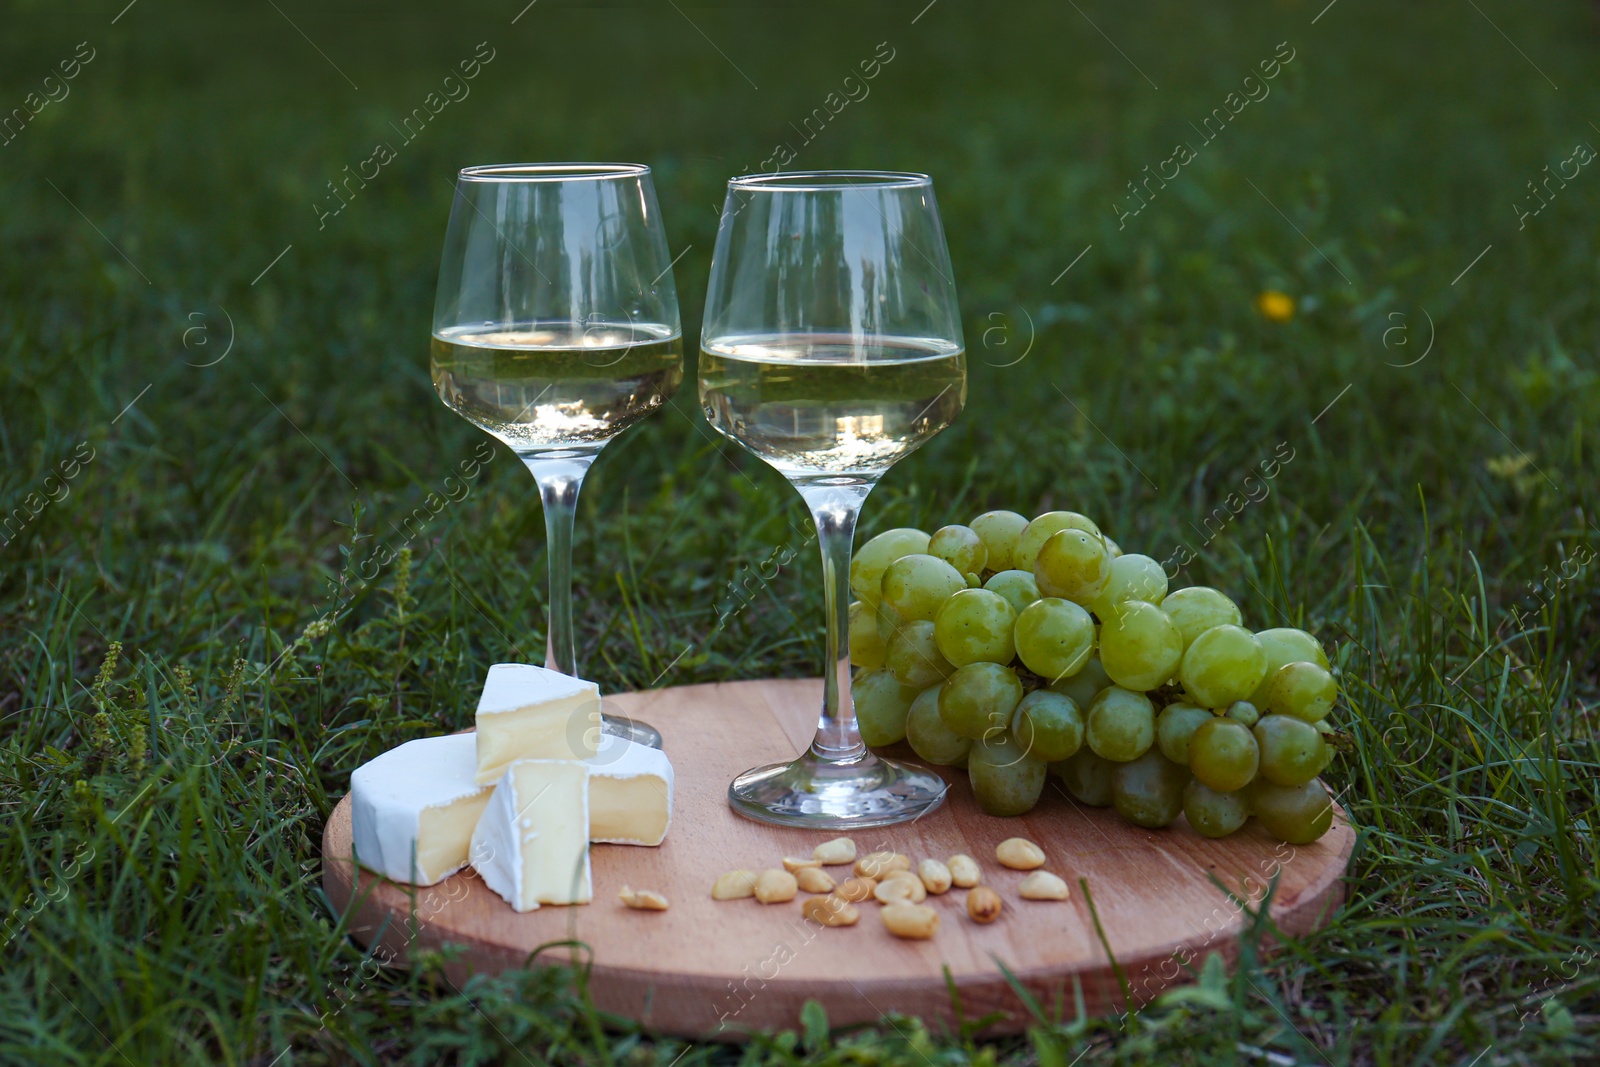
{"points": [[630, 793], [531, 844], [413, 809], [528, 712]]}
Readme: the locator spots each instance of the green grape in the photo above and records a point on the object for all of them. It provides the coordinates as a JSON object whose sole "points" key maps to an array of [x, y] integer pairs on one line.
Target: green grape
{"points": [[1113, 548], [1303, 690], [1292, 751], [1018, 587], [889, 623], [1139, 646], [866, 646], [913, 656], [1298, 814], [915, 586], [1175, 725], [961, 547], [1055, 638], [1282, 647], [1222, 665], [1121, 724], [975, 625], [1242, 711], [999, 531], [1085, 684], [1006, 778], [1213, 814], [1197, 608], [1148, 791], [1086, 777], [930, 738], [1041, 529], [1133, 577], [1048, 725], [1223, 754], [1074, 565], [881, 707], [979, 699], [874, 557]]}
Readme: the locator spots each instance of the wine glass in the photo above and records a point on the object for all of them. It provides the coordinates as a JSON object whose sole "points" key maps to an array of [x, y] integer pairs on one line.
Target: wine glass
{"points": [[555, 328], [832, 349]]}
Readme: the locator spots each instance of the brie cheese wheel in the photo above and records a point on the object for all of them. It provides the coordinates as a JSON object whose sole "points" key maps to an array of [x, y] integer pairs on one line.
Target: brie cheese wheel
{"points": [[528, 712], [413, 809], [531, 844], [630, 793]]}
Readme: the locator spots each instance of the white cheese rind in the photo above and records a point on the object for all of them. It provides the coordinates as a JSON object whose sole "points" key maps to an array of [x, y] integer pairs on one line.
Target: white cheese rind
{"points": [[531, 844], [630, 793], [528, 712], [413, 809]]}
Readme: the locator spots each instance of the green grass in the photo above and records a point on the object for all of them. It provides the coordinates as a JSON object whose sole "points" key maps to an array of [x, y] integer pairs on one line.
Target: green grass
{"points": [[161, 809]]}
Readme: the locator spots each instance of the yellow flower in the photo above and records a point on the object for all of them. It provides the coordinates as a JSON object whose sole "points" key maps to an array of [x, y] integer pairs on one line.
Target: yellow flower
{"points": [[1275, 306]]}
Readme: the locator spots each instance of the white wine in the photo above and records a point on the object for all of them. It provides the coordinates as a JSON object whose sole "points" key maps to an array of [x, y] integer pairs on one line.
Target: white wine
{"points": [[541, 386], [826, 405]]}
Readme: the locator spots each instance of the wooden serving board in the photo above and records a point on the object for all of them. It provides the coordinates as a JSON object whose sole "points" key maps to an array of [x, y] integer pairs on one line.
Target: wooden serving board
{"points": [[720, 969]]}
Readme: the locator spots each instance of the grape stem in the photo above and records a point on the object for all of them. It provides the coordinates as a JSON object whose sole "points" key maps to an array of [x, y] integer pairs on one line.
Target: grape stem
{"points": [[834, 508]]}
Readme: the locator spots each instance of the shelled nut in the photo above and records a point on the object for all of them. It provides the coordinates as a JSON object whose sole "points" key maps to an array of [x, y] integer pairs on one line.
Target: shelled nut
{"points": [[964, 871], [814, 880], [854, 889], [915, 922], [882, 864], [1019, 854], [1042, 885], [775, 887], [795, 864], [899, 888], [983, 904], [643, 899], [831, 910], [833, 853], [735, 885], [936, 877]]}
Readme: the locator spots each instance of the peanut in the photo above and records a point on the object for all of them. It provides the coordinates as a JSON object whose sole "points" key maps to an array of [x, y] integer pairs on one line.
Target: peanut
{"points": [[964, 871], [833, 853], [983, 904], [935, 876], [735, 885], [854, 889], [831, 911], [900, 887], [795, 864], [881, 864], [1019, 854], [814, 880], [915, 922], [643, 899], [776, 887], [1042, 885]]}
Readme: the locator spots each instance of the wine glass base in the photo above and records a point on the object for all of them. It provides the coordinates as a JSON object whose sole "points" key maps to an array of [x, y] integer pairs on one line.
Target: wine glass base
{"points": [[815, 794], [640, 733]]}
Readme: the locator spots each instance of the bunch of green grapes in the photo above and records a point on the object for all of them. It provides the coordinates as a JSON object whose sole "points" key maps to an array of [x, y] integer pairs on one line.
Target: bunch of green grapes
{"points": [[1019, 649]]}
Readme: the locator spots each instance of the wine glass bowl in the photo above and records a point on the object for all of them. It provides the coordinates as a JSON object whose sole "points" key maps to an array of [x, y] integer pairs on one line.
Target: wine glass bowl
{"points": [[555, 329], [832, 349]]}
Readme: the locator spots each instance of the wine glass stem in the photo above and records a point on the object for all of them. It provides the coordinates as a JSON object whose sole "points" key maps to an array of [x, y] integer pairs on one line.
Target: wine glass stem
{"points": [[559, 481], [834, 509]]}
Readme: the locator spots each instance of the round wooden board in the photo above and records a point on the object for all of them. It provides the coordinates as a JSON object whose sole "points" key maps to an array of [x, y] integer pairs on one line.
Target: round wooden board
{"points": [[711, 969]]}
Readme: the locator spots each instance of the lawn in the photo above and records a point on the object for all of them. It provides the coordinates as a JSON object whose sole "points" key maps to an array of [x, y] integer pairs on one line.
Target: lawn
{"points": [[215, 414]]}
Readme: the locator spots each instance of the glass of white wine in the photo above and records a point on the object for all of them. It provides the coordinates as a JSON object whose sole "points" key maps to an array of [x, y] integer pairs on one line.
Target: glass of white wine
{"points": [[832, 349], [555, 328]]}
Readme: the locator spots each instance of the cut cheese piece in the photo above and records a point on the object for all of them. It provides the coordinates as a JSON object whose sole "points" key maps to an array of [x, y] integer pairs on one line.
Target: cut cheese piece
{"points": [[527, 712], [413, 809], [630, 793], [531, 844]]}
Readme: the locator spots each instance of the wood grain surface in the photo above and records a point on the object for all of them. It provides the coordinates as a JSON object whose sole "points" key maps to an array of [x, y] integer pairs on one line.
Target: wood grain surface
{"points": [[720, 969]]}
